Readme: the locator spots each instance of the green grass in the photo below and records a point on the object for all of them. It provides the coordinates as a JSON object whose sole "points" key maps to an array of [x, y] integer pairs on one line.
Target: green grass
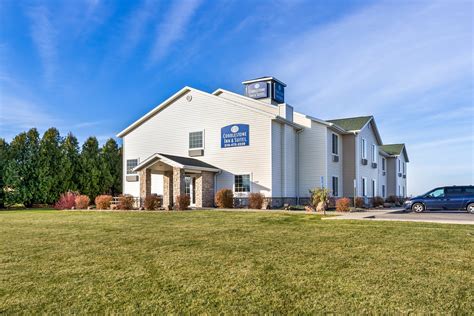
{"points": [[231, 262]]}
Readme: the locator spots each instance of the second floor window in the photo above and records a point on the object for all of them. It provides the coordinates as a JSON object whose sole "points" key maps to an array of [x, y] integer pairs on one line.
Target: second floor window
{"points": [[383, 164], [374, 153], [131, 164], [364, 148], [335, 144], [196, 140]]}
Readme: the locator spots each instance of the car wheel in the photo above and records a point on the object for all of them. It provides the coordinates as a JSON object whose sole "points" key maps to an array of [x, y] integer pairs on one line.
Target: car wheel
{"points": [[418, 207], [470, 208]]}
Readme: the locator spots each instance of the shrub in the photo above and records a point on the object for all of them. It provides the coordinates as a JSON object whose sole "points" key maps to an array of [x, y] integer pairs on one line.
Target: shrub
{"points": [[66, 201], [82, 201], [378, 201], [152, 202], [224, 198], [359, 202], [319, 195], [102, 202], [343, 205], [182, 202], [125, 202], [392, 199], [256, 200]]}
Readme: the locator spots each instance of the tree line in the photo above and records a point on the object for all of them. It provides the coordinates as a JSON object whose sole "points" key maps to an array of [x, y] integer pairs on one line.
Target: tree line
{"points": [[36, 170]]}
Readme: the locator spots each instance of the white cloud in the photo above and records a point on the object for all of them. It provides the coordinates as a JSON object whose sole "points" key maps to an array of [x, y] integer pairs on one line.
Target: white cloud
{"points": [[172, 28], [44, 36]]}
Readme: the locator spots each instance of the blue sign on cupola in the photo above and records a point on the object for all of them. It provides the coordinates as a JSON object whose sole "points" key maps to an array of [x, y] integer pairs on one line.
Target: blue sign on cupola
{"points": [[235, 135]]}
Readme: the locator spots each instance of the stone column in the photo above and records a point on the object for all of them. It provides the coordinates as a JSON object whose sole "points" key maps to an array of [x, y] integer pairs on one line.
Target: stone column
{"points": [[205, 189], [178, 182], [168, 190], [145, 182]]}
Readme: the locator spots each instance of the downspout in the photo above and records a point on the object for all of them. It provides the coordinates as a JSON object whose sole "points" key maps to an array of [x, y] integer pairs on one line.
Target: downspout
{"points": [[298, 166]]}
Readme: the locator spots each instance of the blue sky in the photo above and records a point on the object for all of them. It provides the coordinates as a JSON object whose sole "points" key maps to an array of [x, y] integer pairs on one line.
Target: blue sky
{"points": [[92, 67]]}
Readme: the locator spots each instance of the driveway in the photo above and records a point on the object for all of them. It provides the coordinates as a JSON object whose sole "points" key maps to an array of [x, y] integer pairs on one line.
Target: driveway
{"points": [[446, 217]]}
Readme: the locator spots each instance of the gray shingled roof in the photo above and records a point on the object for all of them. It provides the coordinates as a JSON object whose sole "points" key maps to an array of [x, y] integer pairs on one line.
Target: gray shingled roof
{"points": [[352, 123], [186, 161]]}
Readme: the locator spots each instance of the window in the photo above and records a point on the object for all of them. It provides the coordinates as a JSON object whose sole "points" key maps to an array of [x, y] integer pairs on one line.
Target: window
{"points": [[196, 140], [403, 167], [399, 168], [374, 153], [383, 164], [398, 192], [383, 190], [242, 183], [454, 191], [374, 188], [403, 191], [468, 190], [436, 193], [131, 163], [335, 144], [364, 187], [335, 186], [364, 148]]}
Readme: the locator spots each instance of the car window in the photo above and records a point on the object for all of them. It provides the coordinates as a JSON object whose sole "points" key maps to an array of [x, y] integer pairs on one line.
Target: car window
{"points": [[436, 193], [454, 191], [469, 190]]}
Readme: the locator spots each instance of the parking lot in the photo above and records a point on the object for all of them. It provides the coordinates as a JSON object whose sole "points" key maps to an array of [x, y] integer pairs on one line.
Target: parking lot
{"points": [[447, 217], [452, 217]]}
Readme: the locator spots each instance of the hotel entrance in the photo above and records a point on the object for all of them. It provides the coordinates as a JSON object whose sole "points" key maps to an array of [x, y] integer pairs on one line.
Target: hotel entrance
{"points": [[190, 188]]}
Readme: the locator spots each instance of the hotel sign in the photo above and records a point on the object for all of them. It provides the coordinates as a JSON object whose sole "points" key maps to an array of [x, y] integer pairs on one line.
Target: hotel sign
{"points": [[235, 135], [258, 90], [278, 92]]}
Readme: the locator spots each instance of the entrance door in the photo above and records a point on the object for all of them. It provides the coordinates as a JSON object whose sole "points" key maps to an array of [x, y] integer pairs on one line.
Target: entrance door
{"points": [[190, 188]]}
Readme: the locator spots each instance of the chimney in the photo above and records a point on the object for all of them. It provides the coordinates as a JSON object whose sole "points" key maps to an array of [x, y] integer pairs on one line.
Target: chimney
{"points": [[285, 111], [266, 89]]}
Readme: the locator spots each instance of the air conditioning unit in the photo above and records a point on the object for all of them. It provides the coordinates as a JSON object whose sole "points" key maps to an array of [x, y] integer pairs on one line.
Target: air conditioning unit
{"points": [[384, 173], [399, 174], [133, 178], [335, 158], [364, 162], [196, 152], [404, 176], [374, 165]]}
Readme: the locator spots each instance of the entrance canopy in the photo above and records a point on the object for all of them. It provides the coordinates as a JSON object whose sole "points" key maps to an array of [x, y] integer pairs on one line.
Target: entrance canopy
{"points": [[164, 162]]}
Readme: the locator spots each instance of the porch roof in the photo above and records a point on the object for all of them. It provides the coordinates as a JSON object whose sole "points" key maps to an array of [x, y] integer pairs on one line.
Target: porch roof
{"points": [[176, 161]]}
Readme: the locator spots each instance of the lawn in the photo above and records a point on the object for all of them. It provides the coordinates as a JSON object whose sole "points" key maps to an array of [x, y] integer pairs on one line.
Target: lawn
{"points": [[230, 262]]}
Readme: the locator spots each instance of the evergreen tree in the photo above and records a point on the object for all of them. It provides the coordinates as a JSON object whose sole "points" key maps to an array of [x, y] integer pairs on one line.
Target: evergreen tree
{"points": [[4, 158], [112, 167], [70, 168], [21, 173], [91, 168], [49, 166]]}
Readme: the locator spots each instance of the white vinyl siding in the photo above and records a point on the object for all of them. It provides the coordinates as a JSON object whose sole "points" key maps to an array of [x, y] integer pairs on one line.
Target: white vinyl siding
{"points": [[168, 132]]}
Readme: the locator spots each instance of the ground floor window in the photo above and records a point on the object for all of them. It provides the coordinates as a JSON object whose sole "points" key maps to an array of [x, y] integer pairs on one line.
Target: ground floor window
{"points": [[374, 188], [242, 183], [364, 187], [398, 193], [335, 186], [403, 191], [383, 190]]}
